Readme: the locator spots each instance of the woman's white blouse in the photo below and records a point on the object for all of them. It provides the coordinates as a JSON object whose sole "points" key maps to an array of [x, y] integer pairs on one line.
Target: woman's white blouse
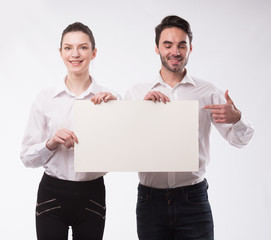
{"points": [[51, 111]]}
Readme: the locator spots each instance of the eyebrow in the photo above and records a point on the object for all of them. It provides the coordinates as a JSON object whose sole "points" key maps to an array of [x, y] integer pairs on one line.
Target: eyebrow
{"points": [[168, 42], [79, 44]]}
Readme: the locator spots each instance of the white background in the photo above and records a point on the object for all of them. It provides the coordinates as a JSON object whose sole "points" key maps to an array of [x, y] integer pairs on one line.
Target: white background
{"points": [[231, 49]]}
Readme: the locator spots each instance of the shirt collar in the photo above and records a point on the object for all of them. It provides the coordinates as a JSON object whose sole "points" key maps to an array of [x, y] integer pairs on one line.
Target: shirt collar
{"points": [[186, 80], [62, 88]]}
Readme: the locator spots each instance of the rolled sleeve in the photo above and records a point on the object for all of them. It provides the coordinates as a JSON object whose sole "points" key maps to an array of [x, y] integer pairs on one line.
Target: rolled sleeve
{"points": [[36, 155], [34, 151], [243, 131]]}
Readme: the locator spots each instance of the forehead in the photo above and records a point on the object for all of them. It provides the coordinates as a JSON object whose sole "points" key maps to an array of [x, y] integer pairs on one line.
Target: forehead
{"points": [[77, 37], [174, 35]]}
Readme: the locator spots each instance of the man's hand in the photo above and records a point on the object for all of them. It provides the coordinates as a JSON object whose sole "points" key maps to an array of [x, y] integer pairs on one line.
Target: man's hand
{"points": [[62, 136], [156, 96], [102, 96], [225, 113]]}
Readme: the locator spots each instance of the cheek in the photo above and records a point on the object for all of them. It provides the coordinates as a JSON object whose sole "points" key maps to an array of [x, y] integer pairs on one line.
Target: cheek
{"points": [[187, 53], [65, 56], [164, 54], [86, 55]]}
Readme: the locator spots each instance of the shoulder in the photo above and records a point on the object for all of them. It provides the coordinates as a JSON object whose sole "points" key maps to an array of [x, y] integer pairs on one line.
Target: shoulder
{"points": [[141, 87], [138, 91], [206, 88], [44, 97], [208, 91], [201, 83], [99, 88], [47, 93]]}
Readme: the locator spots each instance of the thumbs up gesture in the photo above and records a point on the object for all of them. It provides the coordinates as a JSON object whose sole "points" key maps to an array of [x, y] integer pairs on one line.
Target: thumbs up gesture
{"points": [[225, 113]]}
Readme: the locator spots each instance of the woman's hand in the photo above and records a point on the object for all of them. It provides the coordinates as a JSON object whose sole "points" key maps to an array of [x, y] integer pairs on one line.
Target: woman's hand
{"points": [[64, 137], [102, 96]]}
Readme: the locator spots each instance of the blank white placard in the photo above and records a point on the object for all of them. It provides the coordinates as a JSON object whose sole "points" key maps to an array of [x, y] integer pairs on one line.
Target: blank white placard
{"points": [[136, 136]]}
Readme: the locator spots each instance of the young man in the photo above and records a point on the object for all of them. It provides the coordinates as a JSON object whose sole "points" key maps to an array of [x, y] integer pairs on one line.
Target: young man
{"points": [[174, 205]]}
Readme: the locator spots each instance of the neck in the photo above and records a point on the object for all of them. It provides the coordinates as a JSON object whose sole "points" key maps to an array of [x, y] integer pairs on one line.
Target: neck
{"points": [[78, 83], [172, 78]]}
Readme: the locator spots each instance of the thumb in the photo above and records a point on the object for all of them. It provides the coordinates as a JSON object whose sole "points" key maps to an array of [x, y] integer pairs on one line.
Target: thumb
{"points": [[228, 99]]}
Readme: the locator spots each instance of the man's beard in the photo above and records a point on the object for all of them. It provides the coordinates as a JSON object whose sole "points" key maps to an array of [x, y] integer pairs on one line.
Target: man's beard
{"points": [[174, 69]]}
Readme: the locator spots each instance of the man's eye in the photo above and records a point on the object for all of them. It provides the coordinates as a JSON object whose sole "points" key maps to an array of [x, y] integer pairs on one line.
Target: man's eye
{"points": [[167, 46]]}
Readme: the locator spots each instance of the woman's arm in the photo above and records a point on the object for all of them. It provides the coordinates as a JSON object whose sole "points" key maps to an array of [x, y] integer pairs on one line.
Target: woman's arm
{"points": [[34, 151]]}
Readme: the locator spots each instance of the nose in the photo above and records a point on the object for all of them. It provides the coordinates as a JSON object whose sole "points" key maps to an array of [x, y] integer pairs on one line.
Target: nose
{"points": [[175, 51], [75, 53]]}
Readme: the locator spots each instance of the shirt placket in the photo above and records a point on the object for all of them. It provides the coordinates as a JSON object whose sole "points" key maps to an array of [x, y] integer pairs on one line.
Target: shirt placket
{"points": [[171, 179], [171, 175]]}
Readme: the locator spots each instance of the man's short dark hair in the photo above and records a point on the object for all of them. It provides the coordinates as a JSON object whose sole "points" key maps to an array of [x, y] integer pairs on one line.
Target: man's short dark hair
{"points": [[173, 21], [79, 27]]}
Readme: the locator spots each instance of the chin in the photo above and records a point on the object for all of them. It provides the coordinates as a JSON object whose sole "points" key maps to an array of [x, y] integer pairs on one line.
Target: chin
{"points": [[75, 71]]}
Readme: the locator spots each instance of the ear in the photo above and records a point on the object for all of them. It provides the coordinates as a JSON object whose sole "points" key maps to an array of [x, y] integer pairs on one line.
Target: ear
{"points": [[94, 53], [191, 47], [157, 50], [60, 52]]}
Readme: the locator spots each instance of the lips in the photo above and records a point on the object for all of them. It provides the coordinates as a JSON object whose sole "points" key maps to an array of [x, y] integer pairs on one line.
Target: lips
{"points": [[175, 60], [76, 62]]}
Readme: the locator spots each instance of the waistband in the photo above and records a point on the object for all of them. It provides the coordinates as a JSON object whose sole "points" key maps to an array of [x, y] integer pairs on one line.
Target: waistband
{"points": [[183, 189], [71, 185]]}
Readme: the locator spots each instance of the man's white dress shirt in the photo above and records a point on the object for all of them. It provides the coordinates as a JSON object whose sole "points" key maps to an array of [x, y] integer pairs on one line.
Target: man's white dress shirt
{"points": [[53, 110], [191, 88]]}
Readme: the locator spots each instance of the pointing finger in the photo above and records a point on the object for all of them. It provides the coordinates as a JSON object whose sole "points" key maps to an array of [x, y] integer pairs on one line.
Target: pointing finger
{"points": [[215, 106]]}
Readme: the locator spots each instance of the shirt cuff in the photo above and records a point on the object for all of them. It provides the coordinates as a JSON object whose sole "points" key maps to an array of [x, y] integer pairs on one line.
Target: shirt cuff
{"points": [[44, 152], [241, 125]]}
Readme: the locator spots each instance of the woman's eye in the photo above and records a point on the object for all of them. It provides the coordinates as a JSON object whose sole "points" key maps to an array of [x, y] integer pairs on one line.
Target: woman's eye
{"points": [[84, 47], [67, 48]]}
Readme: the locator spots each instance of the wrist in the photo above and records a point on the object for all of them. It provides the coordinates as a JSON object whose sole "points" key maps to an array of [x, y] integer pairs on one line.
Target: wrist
{"points": [[51, 146]]}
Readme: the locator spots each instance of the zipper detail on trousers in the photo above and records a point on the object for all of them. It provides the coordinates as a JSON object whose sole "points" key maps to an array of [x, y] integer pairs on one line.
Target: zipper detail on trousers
{"points": [[103, 217], [98, 204], [47, 210], [39, 204]]}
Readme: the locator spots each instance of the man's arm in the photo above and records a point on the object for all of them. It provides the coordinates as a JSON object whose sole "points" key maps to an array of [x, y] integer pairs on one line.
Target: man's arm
{"points": [[231, 124]]}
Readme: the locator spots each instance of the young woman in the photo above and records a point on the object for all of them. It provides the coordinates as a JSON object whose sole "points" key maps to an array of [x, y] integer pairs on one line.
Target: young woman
{"points": [[66, 198]]}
